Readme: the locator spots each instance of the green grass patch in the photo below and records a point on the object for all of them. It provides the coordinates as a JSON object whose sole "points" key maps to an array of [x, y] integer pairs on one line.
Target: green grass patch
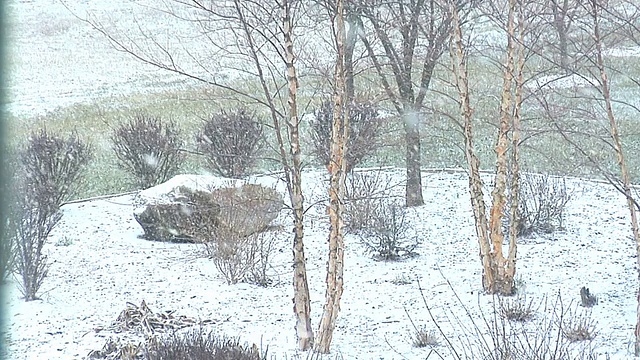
{"points": [[542, 151]]}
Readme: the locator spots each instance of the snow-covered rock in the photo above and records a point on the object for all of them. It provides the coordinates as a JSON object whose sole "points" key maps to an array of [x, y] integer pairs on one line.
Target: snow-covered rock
{"points": [[191, 208]]}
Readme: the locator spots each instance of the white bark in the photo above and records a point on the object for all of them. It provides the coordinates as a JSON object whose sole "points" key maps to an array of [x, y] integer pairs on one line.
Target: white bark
{"points": [[337, 168]]}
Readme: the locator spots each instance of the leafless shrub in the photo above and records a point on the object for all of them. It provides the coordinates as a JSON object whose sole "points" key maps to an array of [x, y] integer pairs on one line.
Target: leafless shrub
{"points": [[264, 246], [9, 220], [249, 208], [239, 246], [48, 169], [390, 237], [148, 148], [52, 166], [578, 325], [231, 254], [192, 344], [542, 201], [421, 336], [231, 142], [401, 280], [364, 193], [7, 254], [199, 345], [494, 337], [541, 340], [516, 309], [117, 348], [35, 221], [365, 130], [241, 258]]}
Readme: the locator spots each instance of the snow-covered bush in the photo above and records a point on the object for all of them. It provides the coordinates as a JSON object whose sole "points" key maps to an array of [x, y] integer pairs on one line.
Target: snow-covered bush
{"points": [[365, 130], [148, 148], [231, 142], [48, 170]]}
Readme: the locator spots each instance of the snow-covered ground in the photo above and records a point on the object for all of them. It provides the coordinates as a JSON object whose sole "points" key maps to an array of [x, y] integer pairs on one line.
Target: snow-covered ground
{"points": [[56, 60], [100, 263]]}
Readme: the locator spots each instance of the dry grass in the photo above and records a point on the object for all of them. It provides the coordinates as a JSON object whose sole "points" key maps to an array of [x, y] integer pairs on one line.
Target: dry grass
{"points": [[516, 309], [142, 320], [424, 338], [578, 325]]}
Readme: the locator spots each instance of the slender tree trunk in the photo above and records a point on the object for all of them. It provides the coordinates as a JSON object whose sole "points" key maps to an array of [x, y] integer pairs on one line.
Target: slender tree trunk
{"points": [[515, 152], [337, 168], [503, 282], [560, 22], [401, 58], [498, 271], [413, 190], [617, 145], [564, 54], [352, 36], [475, 182], [301, 300]]}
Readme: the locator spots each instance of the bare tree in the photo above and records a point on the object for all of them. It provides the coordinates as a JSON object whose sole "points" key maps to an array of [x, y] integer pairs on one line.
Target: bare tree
{"points": [[516, 120], [563, 12], [338, 170], [498, 270], [596, 9], [423, 27], [302, 301], [627, 14]]}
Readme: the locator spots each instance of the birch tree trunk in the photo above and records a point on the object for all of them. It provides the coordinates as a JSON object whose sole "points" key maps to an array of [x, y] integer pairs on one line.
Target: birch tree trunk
{"points": [[337, 169], [475, 182], [503, 281], [349, 48], [301, 300], [617, 145], [498, 271], [514, 214]]}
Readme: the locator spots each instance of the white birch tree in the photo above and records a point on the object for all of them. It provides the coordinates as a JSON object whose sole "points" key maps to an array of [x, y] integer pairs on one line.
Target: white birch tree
{"points": [[498, 270]]}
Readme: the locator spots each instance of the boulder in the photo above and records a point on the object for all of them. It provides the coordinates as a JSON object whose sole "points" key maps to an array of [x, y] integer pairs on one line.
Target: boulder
{"points": [[195, 208]]}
